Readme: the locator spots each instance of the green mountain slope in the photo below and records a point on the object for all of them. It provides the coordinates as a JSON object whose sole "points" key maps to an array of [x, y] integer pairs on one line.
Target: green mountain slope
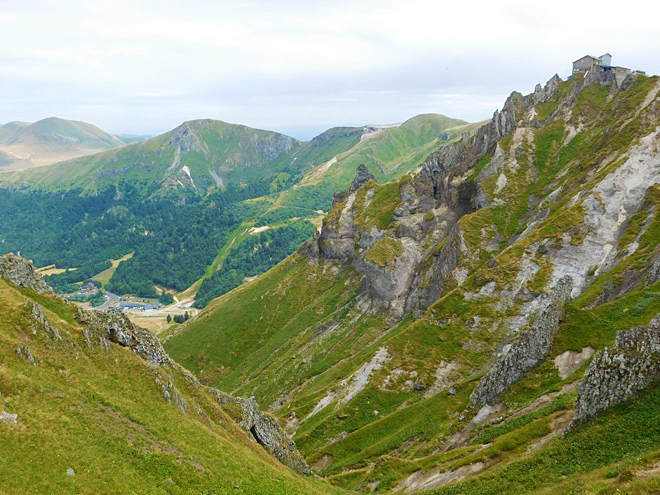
{"points": [[82, 414], [389, 152], [7, 160], [51, 140], [227, 184], [438, 333], [386, 151], [197, 157]]}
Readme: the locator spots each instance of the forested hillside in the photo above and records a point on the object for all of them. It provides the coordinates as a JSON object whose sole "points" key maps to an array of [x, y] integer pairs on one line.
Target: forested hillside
{"points": [[200, 208]]}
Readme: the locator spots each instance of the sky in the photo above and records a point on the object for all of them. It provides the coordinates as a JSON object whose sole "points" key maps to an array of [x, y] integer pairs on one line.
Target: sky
{"points": [[299, 67]]}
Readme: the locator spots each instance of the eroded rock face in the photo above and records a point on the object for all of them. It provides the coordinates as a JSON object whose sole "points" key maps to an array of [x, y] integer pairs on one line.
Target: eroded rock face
{"points": [[115, 326], [185, 138], [170, 393], [40, 322], [431, 202], [24, 352], [338, 242], [388, 286], [21, 272], [529, 349], [362, 176], [618, 373], [429, 284], [266, 430]]}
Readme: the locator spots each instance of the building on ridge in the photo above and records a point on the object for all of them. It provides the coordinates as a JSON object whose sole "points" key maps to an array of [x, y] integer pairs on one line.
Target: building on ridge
{"points": [[592, 65]]}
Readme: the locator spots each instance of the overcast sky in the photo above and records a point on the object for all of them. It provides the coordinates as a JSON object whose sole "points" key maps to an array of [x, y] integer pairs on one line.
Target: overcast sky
{"points": [[299, 67]]}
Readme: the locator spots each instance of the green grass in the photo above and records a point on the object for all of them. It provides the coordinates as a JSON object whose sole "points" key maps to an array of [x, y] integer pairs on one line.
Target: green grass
{"points": [[384, 251], [304, 329], [562, 402], [380, 210], [102, 414], [545, 110], [598, 326], [628, 431]]}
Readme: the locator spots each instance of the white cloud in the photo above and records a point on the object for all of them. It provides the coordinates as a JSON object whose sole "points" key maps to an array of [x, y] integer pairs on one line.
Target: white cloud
{"points": [[146, 65]]}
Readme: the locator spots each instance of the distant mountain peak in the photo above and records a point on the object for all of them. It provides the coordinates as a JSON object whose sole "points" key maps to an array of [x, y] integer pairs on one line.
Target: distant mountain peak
{"points": [[51, 140]]}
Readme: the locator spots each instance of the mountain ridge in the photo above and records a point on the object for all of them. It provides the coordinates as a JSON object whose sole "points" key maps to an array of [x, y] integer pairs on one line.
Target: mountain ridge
{"points": [[203, 137], [371, 340]]}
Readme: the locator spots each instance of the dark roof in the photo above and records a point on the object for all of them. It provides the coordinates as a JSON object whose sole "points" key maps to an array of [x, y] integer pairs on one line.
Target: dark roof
{"points": [[587, 56]]}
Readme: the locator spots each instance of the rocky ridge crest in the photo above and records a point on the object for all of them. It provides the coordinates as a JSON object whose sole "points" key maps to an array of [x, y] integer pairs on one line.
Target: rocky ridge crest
{"points": [[618, 373], [21, 272], [430, 203], [530, 348]]}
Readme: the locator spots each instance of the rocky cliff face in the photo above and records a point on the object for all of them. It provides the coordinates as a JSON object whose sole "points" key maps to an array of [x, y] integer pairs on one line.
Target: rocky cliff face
{"points": [[40, 323], [113, 325], [425, 210], [266, 430], [530, 348], [618, 373], [22, 273]]}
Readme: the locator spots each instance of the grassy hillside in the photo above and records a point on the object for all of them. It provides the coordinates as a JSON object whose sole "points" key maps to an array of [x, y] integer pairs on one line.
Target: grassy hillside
{"points": [[51, 140], [380, 398], [389, 153], [197, 157], [9, 160], [102, 413], [207, 168]]}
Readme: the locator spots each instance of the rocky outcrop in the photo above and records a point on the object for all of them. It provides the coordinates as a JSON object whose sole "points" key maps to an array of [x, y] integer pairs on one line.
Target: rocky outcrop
{"points": [[653, 273], [40, 323], [185, 139], [618, 373], [115, 326], [362, 176], [430, 203], [406, 274], [529, 349], [170, 393], [441, 168], [10, 418], [21, 272], [337, 238], [266, 430], [429, 283], [273, 146], [24, 352], [96, 337], [388, 285], [337, 241]]}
